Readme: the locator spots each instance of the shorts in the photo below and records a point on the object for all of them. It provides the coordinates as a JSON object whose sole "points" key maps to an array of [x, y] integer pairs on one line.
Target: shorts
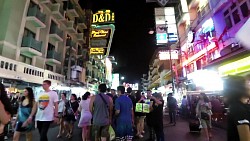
{"points": [[206, 123], [124, 131], [101, 131], [70, 119], [19, 127], [140, 118]]}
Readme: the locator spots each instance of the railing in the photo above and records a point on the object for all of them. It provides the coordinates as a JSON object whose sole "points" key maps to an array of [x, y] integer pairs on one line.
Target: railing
{"points": [[32, 43], [56, 30], [57, 7], [34, 11], [54, 55]]}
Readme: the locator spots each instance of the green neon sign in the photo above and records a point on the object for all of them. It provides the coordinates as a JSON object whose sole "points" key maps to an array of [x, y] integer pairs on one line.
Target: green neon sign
{"points": [[240, 66]]}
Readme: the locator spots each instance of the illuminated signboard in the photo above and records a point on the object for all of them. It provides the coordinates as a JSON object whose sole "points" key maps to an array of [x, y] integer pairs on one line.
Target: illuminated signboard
{"points": [[103, 17], [100, 33], [97, 51], [165, 17], [165, 55], [98, 43], [240, 66], [115, 80]]}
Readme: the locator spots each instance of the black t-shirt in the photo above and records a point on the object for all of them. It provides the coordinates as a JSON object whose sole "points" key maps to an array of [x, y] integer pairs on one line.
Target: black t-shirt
{"points": [[150, 116], [158, 113], [74, 106], [239, 114]]}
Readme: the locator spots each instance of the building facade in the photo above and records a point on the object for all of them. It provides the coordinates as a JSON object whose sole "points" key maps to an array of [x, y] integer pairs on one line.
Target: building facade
{"points": [[39, 37], [207, 31]]}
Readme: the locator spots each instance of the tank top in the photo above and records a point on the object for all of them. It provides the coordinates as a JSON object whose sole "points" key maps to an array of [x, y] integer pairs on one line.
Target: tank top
{"points": [[101, 111]]}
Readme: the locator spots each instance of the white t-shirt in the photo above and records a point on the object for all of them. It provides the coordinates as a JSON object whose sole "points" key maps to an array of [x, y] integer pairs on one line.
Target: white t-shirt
{"points": [[61, 106], [45, 110]]}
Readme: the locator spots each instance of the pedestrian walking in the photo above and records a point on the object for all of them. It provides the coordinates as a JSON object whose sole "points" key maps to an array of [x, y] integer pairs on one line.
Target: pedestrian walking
{"points": [[101, 107], [139, 116], [46, 110], [61, 114], [150, 119], [203, 111], [5, 110], [86, 116], [125, 116], [158, 116], [22, 124], [172, 107], [237, 93], [71, 110]]}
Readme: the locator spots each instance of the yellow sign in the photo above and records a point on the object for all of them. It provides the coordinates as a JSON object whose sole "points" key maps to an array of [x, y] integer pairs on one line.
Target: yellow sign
{"points": [[100, 33], [239, 66], [97, 51], [103, 16]]}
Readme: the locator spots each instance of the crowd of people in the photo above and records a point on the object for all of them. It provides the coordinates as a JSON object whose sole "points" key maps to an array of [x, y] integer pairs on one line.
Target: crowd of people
{"points": [[116, 111]]}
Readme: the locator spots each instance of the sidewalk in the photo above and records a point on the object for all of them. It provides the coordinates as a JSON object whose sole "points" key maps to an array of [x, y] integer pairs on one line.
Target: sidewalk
{"points": [[180, 132]]}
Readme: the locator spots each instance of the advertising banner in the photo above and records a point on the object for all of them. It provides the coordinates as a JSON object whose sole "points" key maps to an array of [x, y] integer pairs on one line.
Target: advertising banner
{"points": [[166, 30]]}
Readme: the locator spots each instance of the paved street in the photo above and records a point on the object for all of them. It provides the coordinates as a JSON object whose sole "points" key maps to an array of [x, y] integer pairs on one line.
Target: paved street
{"points": [[180, 132]]}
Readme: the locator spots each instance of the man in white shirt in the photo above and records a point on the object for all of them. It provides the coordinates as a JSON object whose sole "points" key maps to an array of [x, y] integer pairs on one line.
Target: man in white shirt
{"points": [[46, 109]]}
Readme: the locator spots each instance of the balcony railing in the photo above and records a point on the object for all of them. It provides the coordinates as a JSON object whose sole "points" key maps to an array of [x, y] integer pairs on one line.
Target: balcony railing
{"points": [[51, 54], [35, 11], [56, 30], [32, 43]]}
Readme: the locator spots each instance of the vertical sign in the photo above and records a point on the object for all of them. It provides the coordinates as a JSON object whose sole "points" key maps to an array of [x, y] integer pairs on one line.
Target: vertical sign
{"points": [[165, 23]]}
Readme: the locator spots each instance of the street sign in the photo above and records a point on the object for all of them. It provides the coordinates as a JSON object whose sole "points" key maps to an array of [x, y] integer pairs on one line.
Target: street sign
{"points": [[103, 17], [97, 51], [98, 43], [100, 33]]}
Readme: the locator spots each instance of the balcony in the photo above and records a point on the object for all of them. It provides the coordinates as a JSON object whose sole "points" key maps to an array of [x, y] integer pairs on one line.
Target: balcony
{"points": [[53, 57], [44, 1], [57, 11], [81, 22], [35, 17], [71, 11], [70, 27], [218, 5], [56, 34], [31, 47], [80, 38]]}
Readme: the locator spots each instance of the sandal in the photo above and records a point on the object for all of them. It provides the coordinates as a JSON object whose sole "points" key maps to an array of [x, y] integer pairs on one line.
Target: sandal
{"points": [[59, 136]]}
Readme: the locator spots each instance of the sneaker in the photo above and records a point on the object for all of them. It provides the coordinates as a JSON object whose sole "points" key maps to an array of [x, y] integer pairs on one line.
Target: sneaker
{"points": [[5, 137]]}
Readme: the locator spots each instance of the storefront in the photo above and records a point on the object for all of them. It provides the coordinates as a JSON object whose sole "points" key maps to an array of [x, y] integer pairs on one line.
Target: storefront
{"points": [[238, 67]]}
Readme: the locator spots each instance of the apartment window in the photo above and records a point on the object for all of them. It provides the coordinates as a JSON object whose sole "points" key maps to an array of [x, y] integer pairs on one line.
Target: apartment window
{"points": [[51, 47], [49, 67], [244, 9], [29, 33], [52, 25], [53, 1], [32, 4], [236, 12], [25, 59]]}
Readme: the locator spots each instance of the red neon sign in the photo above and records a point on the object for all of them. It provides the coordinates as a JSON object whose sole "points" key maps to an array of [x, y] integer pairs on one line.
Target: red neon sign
{"points": [[199, 54]]}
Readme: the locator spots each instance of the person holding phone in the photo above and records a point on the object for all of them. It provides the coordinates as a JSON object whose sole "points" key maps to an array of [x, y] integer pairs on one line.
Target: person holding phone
{"points": [[237, 93]]}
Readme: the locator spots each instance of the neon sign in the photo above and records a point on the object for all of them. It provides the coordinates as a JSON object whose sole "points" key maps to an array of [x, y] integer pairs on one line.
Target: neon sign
{"points": [[199, 54], [100, 33], [103, 16], [97, 51], [240, 66]]}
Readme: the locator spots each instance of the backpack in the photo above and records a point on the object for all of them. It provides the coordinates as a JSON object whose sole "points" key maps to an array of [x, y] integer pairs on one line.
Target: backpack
{"points": [[172, 103]]}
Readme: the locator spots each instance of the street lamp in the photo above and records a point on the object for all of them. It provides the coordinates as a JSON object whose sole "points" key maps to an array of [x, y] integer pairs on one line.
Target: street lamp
{"points": [[122, 78]]}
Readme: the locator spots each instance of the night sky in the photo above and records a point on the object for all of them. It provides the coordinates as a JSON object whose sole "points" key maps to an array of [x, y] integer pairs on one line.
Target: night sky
{"points": [[132, 46]]}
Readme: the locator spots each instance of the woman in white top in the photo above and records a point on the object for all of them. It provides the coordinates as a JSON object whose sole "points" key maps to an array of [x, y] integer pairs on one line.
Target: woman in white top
{"points": [[86, 116], [61, 113]]}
